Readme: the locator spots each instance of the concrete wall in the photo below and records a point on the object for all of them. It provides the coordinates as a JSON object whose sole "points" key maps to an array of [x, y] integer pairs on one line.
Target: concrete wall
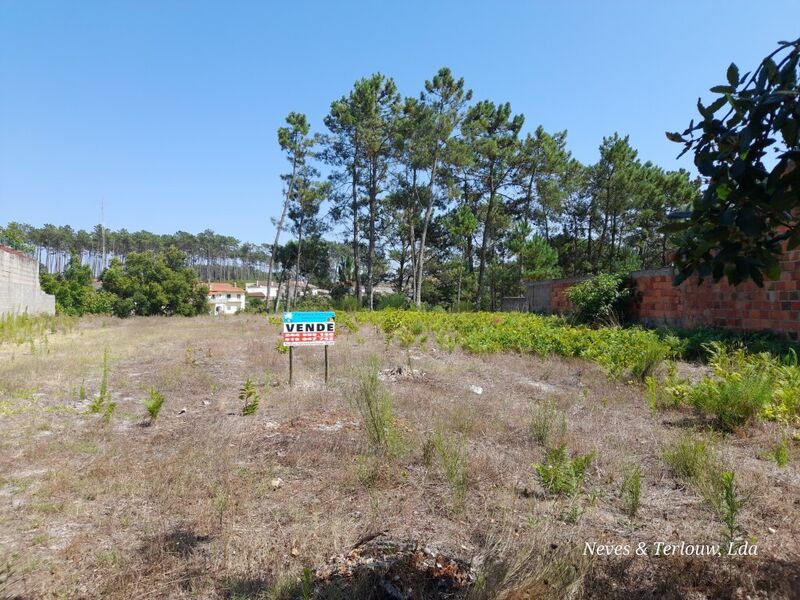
{"points": [[514, 304], [746, 307], [19, 285]]}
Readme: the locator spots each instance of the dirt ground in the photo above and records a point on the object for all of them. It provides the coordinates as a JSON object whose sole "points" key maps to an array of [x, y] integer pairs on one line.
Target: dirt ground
{"points": [[291, 502]]}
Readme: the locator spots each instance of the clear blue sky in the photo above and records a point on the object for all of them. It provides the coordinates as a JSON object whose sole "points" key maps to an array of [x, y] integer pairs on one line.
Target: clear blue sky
{"points": [[168, 109]]}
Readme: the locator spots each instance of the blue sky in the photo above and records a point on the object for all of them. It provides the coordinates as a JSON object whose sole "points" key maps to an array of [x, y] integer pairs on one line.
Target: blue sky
{"points": [[167, 110]]}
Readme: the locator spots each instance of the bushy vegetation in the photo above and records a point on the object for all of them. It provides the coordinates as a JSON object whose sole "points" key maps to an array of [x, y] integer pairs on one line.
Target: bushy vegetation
{"points": [[146, 284], [690, 458], [742, 386], [312, 303], [74, 292], [693, 344], [561, 473], [598, 300], [696, 461], [617, 349]]}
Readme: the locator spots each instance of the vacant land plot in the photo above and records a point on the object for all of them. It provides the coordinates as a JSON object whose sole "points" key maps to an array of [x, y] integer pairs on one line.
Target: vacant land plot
{"points": [[437, 474]]}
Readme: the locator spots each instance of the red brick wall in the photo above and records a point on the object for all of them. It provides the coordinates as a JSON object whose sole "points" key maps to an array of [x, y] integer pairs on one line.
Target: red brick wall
{"points": [[746, 307], [558, 302]]}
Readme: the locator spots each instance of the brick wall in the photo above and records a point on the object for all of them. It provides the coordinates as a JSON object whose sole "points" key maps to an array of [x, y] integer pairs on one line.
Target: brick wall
{"points": [[19, 285], [746, 307]]}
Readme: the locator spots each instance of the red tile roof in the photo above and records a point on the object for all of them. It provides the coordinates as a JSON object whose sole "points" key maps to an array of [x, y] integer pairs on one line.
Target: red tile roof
{"points": [[224, 288]]}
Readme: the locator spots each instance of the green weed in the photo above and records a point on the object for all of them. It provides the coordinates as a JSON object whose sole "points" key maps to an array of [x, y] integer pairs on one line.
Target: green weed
{"points": [[452, 458], [153, 404], [690, 458], [562, 474], [780, 452], [631, 489], [545, 421], [374, 405], [250, 397]]}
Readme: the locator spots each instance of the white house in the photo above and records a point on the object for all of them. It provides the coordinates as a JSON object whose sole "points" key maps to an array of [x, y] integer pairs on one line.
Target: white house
{"points": [[258, 290], [225, 299]]}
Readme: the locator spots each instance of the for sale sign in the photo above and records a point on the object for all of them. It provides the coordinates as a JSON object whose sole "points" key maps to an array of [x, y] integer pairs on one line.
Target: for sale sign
{"points": [[309, 328]]}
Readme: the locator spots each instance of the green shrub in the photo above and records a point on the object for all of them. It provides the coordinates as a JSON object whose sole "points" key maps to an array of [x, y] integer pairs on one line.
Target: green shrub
{"points": [[347, 303], [690, 458], [392, 301], [614, 348], [695, 343], [780, 452], [631, 489], [734, 400], [462, 306], [374, 405], [743, 386], [250, 397], [651, 354], [312, 303], [153, 404], [695, 461], [562, 474], [598, 300], [255, 306]]}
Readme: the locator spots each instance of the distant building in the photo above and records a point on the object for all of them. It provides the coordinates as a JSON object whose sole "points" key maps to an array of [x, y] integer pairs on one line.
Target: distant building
{"points": [[316, 291], [384, 289], [258, 290], [225, 299]]}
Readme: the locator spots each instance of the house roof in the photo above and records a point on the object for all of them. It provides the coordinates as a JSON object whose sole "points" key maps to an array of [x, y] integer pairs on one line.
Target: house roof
{"points": [[223, 288]]}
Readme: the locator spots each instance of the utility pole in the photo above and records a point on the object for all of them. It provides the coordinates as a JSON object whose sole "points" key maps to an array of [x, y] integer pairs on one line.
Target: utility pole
{"points": [[102, 236]]}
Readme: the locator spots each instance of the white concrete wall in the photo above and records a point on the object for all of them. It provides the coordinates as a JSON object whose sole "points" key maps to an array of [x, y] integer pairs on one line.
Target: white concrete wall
{"points": [[19, 285]]}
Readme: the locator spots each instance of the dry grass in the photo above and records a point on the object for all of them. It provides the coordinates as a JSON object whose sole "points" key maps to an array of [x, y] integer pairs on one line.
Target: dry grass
{"points": [[215, 505]]}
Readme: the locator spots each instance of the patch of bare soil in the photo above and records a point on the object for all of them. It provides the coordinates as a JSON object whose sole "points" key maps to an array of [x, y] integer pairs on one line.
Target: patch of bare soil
{"points": [[293, 502]]}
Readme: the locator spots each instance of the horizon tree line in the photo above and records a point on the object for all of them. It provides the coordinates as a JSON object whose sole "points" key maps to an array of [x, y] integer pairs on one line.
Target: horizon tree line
{"points": [[448, 199]]}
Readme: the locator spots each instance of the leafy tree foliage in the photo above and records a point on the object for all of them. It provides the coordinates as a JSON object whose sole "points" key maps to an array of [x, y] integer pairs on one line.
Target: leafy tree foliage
{"points": [[74, 292], [160, 284], [747, 145]]}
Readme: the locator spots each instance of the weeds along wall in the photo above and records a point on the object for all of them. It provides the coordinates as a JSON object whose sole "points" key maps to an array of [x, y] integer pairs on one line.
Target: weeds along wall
{"points": [[746, 307], [19, 285]]}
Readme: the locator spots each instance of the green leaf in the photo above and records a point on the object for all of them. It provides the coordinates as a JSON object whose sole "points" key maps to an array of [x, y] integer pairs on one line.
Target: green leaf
{"points": [[716, 105], [771, 69], [733, 74], [722, 89]]}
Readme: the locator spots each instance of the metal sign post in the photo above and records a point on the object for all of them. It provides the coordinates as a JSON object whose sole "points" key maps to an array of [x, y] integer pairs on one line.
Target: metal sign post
{"points": [[290, 365], [308, 329]]}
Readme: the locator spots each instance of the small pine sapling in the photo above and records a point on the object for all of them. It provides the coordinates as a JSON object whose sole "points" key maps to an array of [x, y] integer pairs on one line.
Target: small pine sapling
{"points": [[250, 397]]}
